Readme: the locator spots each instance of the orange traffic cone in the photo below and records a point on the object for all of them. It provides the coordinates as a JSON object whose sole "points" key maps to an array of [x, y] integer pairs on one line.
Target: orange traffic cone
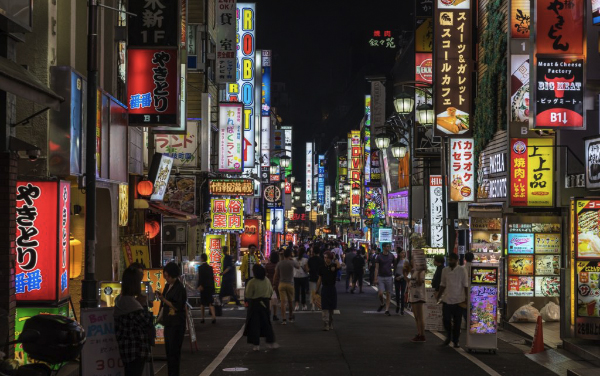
{"points": [[538, 338]]}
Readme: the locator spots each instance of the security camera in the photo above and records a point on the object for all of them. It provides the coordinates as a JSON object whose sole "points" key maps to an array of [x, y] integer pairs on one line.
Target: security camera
{"points": [[16, 145], [33, 154]]}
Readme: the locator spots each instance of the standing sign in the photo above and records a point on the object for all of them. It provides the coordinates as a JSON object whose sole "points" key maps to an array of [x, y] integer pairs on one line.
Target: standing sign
{"points": [[100, 355], [230, 137], [225, 44], [436, 211], [531, 172], [453, 66], [462, 187], [214, 250], [309, 175], [42, 241]]}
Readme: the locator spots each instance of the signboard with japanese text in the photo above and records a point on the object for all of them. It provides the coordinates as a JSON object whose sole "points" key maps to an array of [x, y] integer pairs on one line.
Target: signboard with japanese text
{"points": [[181, 193], [213, 247], [547, 264], [520, 265], [327, 197], [153, 80], [309, 176], [398, 204], [436, 212], [377, 108], [321, 180], [157, 23], [462, 175], [531, 172], [287, 144], [424, 8], [424, 67], [277, 220], [231, 187], [157, 281], [519, 88], [559, 27], [588, 289], [160, 171], [226, 42], [265, 105], [355, 155], [424, 35], [367, 139], [547, 243], [181, 147], [42, 241], [592, 163], [547, 287], [483, 309], [265, 142], [453, 66], [520, 243], [520, 19], [230, 137], [100, 356], [386, 235], [559, 92], [272, 195], [251, 233], [587, 229], [520, 286], [374, 206], [382, 39], [227, 214], [375, 167]]}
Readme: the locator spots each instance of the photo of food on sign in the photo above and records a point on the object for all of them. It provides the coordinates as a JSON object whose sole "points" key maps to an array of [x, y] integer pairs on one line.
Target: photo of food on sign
{"points": [[454, 4], [588, 289], [520, 286], [588, 241], [520, 265], [547, 286], [547, 264], [453, 121], [484, 275], [484, 303]]}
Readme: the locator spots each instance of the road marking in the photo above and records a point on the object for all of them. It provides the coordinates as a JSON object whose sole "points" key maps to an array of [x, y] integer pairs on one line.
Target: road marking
{"points": [[223, 354]]}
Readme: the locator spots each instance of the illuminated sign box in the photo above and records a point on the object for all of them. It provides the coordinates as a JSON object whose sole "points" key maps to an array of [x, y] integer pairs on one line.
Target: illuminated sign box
{"points": [[227, 214], [231, 187]]}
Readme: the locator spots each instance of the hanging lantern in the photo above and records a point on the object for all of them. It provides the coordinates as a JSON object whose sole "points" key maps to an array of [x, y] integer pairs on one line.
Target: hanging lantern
{"points": [[152, 228], [75, 257], [145, 188]]}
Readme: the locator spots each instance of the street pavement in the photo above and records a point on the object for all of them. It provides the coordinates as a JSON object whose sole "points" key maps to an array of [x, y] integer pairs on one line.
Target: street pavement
{"points": [[363, 342]]}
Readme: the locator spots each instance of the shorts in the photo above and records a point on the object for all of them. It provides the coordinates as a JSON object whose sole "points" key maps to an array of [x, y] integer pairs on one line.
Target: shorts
{"points": [[286, 292], [385, 284]]}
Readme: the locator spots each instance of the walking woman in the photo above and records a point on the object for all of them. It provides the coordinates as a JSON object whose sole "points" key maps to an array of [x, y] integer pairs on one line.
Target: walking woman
{"points": [[327, 278], [270, 271], [258, 323], [133, 324], [400, 280], [416, 297], [301, 280], [173, 302]]}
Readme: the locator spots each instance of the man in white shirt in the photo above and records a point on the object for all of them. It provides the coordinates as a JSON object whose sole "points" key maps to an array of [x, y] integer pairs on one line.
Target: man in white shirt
{"points": [[453, 290]]}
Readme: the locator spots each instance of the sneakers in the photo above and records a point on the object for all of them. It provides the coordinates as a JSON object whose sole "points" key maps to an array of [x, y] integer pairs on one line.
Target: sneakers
{"points": [[284, 322], [272, 346], [387, 313], [380, 308], [325, 326], [304, 308], [418, 338]]}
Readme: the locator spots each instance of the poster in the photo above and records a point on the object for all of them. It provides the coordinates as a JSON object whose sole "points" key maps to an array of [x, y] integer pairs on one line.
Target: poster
{"points": [[483, 309], [559, 26], [100, 355], [547, 264], [532, 172], [181, 194], [520, 265], [588, 289], [519, 88], [588, 233], [433, 312], [462, 170], [520, 243], [547, 287], [520, 286], [487, 276], [547, 243]]}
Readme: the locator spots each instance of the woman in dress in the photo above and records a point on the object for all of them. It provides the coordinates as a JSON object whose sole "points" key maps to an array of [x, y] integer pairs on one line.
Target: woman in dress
{"points": [[416, 285], [258, 324], [327, 279]]}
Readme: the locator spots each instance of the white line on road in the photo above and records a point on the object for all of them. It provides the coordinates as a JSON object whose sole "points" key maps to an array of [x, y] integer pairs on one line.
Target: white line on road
{"points": [[223, 354]]}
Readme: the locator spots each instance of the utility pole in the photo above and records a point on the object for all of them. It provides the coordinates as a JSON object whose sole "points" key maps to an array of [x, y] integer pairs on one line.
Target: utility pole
{"points": [[89, 290]]}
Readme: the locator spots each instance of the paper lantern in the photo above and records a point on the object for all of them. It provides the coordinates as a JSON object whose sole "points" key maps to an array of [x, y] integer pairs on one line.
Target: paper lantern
{"points": [[152, 228], [145, 188], [75, 258]]}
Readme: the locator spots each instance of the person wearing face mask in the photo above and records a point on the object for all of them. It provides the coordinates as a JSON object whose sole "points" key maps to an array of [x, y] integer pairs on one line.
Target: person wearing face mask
{"points": [[327, 279]]}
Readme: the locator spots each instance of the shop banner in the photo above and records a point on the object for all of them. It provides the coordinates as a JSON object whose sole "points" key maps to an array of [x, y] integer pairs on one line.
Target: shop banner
{"points": [[230, 137], [321, 180], [367, 139], [158, 23], [136, 253], [385, 235], [559, 27], [100, 355], [486, 276], [231, 187], [272, 195], [520, 243], [587, 241], [520, 286], [287, 143], [436, 212], [519, 87], [327, 196], [250, 234], [424, 35], [355, 171], [377, 117], [375, 167], [547, 243], [159, 174], [265, 142], [462, 170], [181, 194], [225, 43], [453, 67], [520, 19], [277, 220], [213, 247], [592, 163], [532, 172], [181, 147], [309, 176], [227, 214]]}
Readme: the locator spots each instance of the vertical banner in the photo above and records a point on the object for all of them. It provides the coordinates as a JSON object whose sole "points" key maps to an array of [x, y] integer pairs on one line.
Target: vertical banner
{"points": [[205, 133], [377, 106], [367, 138], [532, 172], [453, 67], [230, 137], [354, 171], [265, 141], [520, 19], [158, 23], [321, 181], [277, 220], [424, 74], [266, 83], [309, 175], [462, 175], [436, 212], [327, 197], [559, 27], [213, 247], [287, 145], [225, 43]]}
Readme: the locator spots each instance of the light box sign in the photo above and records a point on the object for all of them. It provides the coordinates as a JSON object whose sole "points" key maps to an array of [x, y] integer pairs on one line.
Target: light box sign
{"points": [[453, 66], [181, 147], [321, 181], [519, 88], [42, 241], [354, 171], [158, 23], [153, 87], [436, 212], [265, 105], [520, 19], [386, 235], [483, 309], [559, 27], [160, 171], [587, 229], [251, 233], [398, 204], [230, 137], [227, 214], [592, 163], [520, 243], [327, 196], [287, 143], [374, 208], [462, 187], [547, 243], [520, 286], [214, 251], [231, 187], [367, 138], [225, 43], [309, 175], [277, 220], [265, 141], [596, 12], [531, 172]]}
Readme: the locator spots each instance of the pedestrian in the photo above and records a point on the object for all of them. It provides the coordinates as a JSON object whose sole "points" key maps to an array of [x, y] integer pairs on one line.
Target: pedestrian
{"points": [[301, 281], [338, 254], [284, 273], [173, 304], [206, 286], [416, 297], [270, 272], [258, 324], [453, 292], [314, 264], [439, 262], [228, 281], [400, 280], [134, 324], [248, 262], [372, 260], [384, 277], [328, 293], [348, 261], [358, 263]]}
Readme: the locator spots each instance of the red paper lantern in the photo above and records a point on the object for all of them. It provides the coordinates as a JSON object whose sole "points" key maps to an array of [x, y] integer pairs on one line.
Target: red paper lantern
{"points": [[152, 228], [145, 188]]}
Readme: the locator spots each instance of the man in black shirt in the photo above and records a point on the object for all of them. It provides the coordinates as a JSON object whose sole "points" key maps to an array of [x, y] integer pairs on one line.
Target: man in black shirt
{"points": [[314, 264]]}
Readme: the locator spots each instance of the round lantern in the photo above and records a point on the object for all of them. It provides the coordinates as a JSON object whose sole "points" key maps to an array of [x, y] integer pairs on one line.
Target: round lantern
{"points": [[152, 228], [145, 188]]}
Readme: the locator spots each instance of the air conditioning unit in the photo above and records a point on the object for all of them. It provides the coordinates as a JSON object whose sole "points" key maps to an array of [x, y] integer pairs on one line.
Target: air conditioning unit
{"points": [[174, 232]]}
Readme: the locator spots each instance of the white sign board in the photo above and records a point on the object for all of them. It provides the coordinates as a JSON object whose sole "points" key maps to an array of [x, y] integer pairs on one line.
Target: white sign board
{"points": [[100, 354], [433, 312], [385, 235], [462, 170], [309, 175], [436, 212]]}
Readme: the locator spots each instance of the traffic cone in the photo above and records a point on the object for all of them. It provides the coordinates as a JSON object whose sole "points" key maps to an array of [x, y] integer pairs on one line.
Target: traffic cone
{"points": [[538, 338]]}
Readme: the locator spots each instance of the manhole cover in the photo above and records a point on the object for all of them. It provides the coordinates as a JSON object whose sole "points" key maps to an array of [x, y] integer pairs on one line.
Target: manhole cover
{"points": [[235, 369]]}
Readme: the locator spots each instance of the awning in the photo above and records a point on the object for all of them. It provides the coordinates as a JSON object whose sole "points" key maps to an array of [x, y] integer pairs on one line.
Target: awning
{"points": [[173, 213], [19, 81]]}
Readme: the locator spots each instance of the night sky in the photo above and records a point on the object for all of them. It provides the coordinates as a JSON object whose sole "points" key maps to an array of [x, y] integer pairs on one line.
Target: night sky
{"points": [[321, 52]]}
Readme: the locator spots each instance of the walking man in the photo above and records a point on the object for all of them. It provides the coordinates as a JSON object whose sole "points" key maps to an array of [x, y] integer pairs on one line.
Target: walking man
{"points": [[284, 273], [206, 286], [453, 290], [248, 262], [384, 277], [348, 260]]}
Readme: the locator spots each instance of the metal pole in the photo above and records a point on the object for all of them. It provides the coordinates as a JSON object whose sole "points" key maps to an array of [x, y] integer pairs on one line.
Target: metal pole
{"points": [[444, 193], [410, 171], [89, 292]]}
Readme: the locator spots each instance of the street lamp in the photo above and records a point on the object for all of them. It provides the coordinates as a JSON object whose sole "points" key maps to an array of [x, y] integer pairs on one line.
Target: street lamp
{"points": [[285, 161], [425, 114], [297, 197], [297, 188], [404, 103], [398, 150], [274, 169], [347, 186], [292, 179], [382, 140]]}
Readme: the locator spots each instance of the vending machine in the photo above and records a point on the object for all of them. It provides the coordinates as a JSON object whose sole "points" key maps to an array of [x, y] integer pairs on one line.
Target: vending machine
{"points": [[482, 309]]}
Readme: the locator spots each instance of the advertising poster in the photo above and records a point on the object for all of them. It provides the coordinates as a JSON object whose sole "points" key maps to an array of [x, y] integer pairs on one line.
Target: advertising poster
{"points": [[181, 194], [588, 289], [484, 276], [592, 163], [520, 19], [547, 287], [520, 286], [433, 312], [374, 203], [532, 172], [462, 186], [547, 243], [559, 93], [559, 26], [588, 233], [547, 264], [227, 214], [250, 234], [520, 243], [483, 308], [520, 265], [100, 355], [230, 140], [519, 87], [213, 247], [436, 211]]}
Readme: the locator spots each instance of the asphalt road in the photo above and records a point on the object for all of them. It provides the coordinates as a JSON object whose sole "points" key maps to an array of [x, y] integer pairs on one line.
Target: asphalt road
{"points": [[363, 343]]}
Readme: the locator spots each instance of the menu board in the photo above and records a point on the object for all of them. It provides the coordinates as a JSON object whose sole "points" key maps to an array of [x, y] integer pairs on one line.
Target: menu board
{"points": [[520, 243], [588, 229], [520, 286], [484, 305], [547, 264], [547, 287], [588, 289], [484, 275], [547, 243], [520, 265]]}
